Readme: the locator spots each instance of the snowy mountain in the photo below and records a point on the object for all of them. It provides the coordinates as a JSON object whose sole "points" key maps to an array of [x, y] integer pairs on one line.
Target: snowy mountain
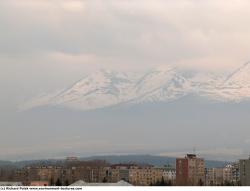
{"points": [[236, 87], [97, 90], [160, 84], [163, 84]]}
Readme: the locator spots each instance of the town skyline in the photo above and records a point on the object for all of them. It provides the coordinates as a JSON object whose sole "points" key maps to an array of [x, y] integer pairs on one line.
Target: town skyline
{"points": [[186, 170]]}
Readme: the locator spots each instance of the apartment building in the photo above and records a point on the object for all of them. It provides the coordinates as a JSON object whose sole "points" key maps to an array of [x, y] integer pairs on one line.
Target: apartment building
{"points": [[214, 176], [244, 172], [190, 171], [169, 174], [228, 174], [145, 176]]}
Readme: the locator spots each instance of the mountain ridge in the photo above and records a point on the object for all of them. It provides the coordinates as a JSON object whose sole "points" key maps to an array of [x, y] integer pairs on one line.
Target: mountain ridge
{"points": [[106, 88], [112, 159]]}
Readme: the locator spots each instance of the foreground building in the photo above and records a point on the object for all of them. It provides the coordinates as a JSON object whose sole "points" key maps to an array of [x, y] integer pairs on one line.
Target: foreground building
{"points": [[214, 176], [46, 175], [227, 176], [89, 171], [140, 175], [190, 171], [145, 175], [39, 183], [245, 172], [236, 173], [119, 172], [169, 174]]}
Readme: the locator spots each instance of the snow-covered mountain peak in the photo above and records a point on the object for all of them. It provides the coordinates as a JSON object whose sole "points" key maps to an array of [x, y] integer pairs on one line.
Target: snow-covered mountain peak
{"points": [[105, 88], [154, 79]]}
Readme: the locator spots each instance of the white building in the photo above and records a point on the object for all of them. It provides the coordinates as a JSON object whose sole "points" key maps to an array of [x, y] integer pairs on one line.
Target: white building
{"points": [[11, 184], [82, 183], [228, 174], [169, 174]]}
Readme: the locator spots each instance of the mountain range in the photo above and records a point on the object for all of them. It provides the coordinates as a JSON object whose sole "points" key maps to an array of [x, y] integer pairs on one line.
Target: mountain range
{"points": [[113, 159], [106, 88], [164, 111]]}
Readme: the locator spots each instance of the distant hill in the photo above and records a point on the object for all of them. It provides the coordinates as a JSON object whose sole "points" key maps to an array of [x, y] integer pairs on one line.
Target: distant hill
{"points": [[113, 159], [6, 165], [21, 164], [149, 159]]}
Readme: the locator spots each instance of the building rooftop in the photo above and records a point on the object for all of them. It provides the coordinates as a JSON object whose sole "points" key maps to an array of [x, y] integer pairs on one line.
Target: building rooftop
{"points": [[11, 184], [191, 156], [82, 183]]}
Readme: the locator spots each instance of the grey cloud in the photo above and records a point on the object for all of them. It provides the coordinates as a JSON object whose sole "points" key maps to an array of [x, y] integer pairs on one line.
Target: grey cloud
{"points": [[152, 31]]}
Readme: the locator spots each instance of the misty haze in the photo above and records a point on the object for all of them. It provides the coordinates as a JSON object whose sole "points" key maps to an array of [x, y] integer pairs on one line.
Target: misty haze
{"points": [[89, 78]]}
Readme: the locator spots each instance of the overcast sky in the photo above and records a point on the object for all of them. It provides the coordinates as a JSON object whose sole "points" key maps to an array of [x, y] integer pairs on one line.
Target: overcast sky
{"points": [[68, 37], [47, 44]]}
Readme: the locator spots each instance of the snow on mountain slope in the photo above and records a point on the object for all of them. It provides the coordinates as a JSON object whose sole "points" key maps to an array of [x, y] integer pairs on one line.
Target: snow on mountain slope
{"points": [[205, 84], [240, 78], [161, 84], [100, 89], [236, 87], [108, 88], [154, 79], [40, 100]]}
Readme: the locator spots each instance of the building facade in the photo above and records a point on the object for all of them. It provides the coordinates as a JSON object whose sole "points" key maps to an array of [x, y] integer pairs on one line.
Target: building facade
{"points": [[169, 175], [145, 176], [227, 176], [190, 171], [214, 176], [245, 172]]}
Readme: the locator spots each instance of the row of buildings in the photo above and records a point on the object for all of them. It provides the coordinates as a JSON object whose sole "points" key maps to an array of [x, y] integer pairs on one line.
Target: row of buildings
{"points": [[188, 171], [96, 172], [191, 171]]}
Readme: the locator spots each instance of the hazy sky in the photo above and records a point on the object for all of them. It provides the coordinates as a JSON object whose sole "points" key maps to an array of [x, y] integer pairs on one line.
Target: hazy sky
{"points": [[74, 34], [47, 44]]}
